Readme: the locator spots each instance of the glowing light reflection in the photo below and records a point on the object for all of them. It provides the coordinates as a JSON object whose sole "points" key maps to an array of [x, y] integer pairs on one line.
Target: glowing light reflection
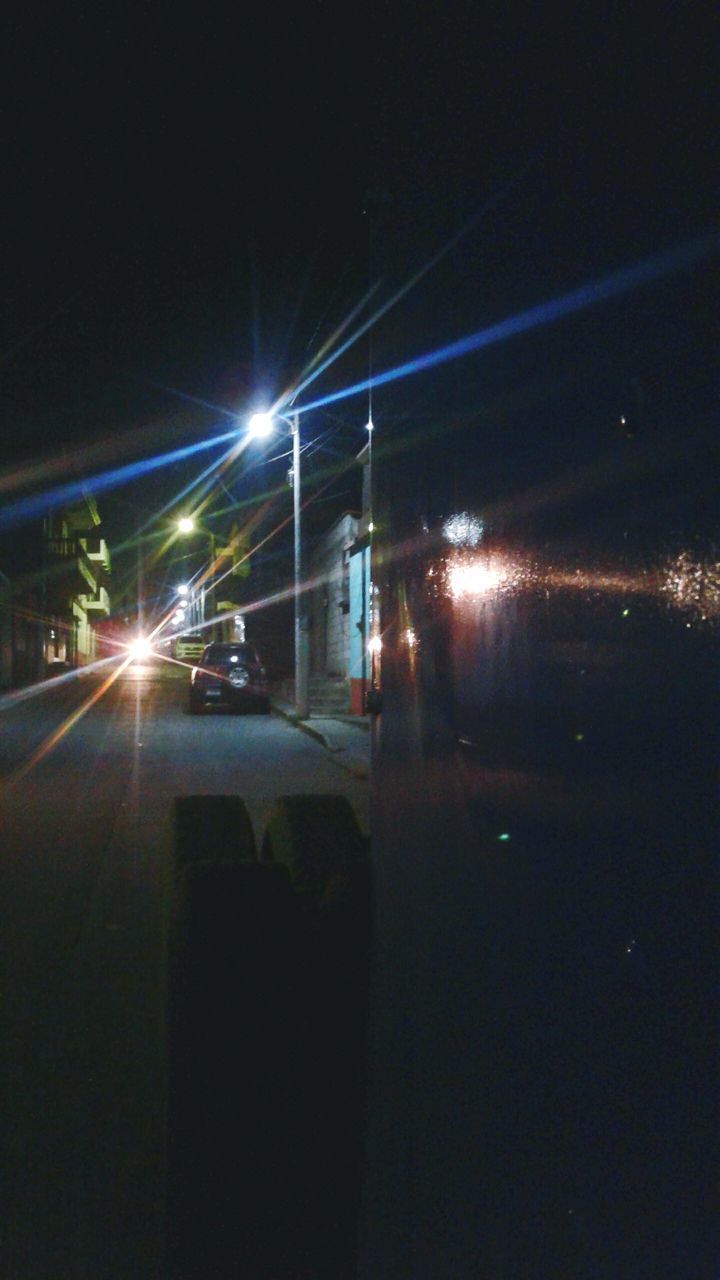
{"points": [[475, 579], [693, 586], [463, 529]]}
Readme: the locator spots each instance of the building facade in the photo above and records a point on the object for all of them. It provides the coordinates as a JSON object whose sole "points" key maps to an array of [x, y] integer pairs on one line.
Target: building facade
{"points": [[75, 582], [329, 603]]}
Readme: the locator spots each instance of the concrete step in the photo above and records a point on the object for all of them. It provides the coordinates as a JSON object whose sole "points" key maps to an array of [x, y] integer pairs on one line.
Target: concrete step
{"points": [[327, 696]]}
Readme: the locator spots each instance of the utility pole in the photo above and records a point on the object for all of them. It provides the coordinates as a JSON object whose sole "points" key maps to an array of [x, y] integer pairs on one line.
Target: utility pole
{"points": [[302, 655], [140, 582]]}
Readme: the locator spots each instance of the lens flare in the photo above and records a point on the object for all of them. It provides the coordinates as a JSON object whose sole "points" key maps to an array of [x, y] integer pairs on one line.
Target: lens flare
{"points": [[139, 649], [588, 295]]}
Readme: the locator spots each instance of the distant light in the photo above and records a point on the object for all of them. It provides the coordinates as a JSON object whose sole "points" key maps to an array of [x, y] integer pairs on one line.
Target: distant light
{"points": [[139, 648], [410, 638], [463, 529], [371, 527], [471, 581], [260, 425], [579, 737], [182, 590], [233, 657], [374, 644], [186, 524], [504, 837], [626, 613], [179, 615], [370, 427]]}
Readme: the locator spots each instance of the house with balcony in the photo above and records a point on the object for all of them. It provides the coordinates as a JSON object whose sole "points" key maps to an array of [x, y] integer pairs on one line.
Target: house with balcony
{"points": [[76, 578]]}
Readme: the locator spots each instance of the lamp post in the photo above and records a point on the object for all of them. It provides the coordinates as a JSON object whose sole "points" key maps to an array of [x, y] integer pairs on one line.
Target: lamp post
{"points": [[261, 424], [186, 524]]}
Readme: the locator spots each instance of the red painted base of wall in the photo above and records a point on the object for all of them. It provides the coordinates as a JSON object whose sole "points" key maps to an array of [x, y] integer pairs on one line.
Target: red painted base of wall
{"points": [[357, 689]]}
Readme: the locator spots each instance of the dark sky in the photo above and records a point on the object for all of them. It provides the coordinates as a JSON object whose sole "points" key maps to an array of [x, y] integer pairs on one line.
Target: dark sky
{"points": [[195, 198]]}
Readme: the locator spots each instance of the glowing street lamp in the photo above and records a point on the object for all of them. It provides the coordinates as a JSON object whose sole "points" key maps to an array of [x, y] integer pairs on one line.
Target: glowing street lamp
{"points": [[259, 427], [182, 589], [186, 524], [139, 648]]}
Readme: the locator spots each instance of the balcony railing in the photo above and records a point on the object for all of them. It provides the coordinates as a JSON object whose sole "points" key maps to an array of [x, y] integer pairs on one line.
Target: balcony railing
{"points": [[71, 565], [99, 602], [98, 551]]}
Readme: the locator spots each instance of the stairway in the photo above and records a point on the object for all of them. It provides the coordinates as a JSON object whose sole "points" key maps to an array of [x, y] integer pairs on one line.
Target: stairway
{"points": [[327, 695]]}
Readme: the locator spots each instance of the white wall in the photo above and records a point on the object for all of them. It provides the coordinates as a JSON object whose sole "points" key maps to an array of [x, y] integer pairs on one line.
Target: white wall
{"points": [[329, 622]]}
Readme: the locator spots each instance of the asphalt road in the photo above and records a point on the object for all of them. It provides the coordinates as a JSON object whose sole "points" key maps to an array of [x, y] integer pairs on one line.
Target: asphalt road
{"points": [[84, 830]]}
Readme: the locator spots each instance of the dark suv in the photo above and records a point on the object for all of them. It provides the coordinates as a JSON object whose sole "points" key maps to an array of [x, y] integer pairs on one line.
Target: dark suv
{"points": [[229, 675]]}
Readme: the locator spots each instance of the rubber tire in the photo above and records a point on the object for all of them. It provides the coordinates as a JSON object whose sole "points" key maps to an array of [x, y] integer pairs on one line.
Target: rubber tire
{"points": [[208, 828], [318, 839], [203, 829]]}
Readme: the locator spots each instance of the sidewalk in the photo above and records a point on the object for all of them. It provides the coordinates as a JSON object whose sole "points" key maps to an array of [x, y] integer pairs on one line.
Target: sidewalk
{"points": [[347, 738]]}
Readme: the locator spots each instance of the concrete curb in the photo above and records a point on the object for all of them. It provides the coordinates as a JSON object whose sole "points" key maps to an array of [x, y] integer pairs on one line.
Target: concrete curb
{"points": [[356, 770], [310, 730]]}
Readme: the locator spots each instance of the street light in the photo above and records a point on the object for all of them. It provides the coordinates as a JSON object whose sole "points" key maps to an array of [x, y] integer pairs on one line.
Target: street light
{"points": [[186, 524], [259, 427]]}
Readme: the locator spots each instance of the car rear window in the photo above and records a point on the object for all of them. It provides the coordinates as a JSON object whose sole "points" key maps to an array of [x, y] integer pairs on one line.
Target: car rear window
{"points": [[221, 652]]}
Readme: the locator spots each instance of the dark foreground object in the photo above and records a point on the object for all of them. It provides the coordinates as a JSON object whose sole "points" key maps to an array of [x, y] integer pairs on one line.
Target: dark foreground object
{"points": [[266, 982]]}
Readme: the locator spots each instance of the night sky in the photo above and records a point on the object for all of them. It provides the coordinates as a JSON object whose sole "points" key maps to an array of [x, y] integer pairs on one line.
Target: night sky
{"points": [[193, 201]]}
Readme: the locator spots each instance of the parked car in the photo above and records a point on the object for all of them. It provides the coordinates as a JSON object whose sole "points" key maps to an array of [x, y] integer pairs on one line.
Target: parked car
{"points": [[188, 648], [229, 675]]}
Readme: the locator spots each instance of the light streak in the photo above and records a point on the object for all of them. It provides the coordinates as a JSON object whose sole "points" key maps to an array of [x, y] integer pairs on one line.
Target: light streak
{"points": [[496, 198], [69, 723], [139, 648], [16, 696], [282, 524], [205, 404], [176, 662], [610, 286], [37, 504]]}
